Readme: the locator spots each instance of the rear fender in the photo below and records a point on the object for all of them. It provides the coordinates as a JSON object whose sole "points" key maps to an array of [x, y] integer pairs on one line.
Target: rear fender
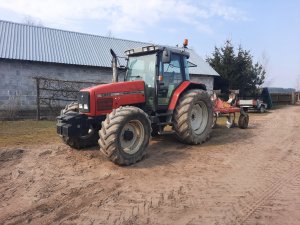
{"points": [[183, 87]]}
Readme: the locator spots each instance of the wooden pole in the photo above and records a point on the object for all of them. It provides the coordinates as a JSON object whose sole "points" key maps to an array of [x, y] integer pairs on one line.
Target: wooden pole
{"points": [[37, 98]]}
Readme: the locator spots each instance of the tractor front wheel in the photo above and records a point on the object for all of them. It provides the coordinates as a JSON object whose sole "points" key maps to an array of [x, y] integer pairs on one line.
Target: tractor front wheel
{"points": [[193, 117], [125, 135]]}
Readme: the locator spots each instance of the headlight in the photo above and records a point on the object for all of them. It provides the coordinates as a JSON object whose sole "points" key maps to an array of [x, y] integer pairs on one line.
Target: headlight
{"points": [[84, 101]]}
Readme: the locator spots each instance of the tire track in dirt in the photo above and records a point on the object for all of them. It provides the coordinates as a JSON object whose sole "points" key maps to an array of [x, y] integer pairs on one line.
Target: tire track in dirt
{"points": [[280, 208], [270, 192], [56, 209], [137, 209], [48, 191], [174, 198], [270, 170], [280, 169], [241, 207]]}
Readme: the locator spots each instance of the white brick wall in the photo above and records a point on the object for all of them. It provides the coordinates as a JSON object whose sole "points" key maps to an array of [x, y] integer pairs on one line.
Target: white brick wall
{"points": [[16, 79], [207, 80]]}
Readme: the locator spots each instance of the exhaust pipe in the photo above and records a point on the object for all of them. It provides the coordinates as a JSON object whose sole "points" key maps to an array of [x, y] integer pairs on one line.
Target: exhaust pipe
{"points": [[114, 66]]}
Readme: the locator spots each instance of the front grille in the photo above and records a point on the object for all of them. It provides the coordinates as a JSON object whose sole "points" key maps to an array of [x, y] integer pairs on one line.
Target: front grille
{"points": [[104, 104]]}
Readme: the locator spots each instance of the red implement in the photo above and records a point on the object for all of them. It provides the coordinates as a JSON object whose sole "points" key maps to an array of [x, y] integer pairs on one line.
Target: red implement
{"points": [[222, 108]]}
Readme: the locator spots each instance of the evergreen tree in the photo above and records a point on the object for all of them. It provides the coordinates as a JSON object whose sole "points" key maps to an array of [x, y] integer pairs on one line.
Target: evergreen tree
{"points": [[237, 70]]}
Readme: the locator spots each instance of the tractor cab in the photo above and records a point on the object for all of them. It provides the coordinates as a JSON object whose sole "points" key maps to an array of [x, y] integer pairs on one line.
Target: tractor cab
{"points": [[162, 69]]}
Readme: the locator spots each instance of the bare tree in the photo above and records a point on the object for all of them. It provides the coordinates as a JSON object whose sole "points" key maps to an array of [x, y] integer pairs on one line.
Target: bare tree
{"points": [[110, 34], [265, 64], [29, 20]]}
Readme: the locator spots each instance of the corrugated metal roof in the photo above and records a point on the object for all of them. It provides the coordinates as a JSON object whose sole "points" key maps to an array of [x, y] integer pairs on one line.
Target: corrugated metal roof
{"points": [[278, 90], [42, 44], [202, 66]]}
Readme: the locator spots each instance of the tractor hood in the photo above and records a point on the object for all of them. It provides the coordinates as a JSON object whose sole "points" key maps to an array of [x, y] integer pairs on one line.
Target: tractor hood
{"points": [[105, 97]]}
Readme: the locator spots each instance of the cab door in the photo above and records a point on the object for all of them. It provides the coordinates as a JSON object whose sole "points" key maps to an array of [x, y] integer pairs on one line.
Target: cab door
{"points": [[171, 76]]}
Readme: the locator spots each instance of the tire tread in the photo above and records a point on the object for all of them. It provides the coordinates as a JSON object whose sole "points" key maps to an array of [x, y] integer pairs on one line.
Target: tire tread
{"points": [[181, 114], [109, 134]]}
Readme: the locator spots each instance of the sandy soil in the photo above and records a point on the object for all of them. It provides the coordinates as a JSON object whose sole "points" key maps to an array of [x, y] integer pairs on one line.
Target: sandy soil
{"points": [[239, 177]]}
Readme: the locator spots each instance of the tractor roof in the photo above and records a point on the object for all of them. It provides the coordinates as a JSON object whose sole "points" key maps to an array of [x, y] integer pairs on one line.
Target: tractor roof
{"points": [[155, 48]]}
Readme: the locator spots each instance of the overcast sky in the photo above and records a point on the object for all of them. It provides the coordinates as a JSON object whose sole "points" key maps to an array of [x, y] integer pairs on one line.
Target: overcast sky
{"points": [[270, 29]]}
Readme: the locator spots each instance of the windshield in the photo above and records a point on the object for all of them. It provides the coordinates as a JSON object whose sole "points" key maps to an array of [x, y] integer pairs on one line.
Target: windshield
{"points": [[142, 68]]}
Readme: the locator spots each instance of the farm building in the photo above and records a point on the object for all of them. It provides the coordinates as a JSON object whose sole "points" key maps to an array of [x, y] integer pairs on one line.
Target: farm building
{"points": [[28, 51], [283, 95]]}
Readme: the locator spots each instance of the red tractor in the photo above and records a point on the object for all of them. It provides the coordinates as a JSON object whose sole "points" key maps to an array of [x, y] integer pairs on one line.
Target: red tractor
{"points": [[122, 116]]}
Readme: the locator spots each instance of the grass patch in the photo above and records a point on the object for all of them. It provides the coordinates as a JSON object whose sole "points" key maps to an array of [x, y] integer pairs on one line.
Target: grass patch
{"points": [[28, 132]]}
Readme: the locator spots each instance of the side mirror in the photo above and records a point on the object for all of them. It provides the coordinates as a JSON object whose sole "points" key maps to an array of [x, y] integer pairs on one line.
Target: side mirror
{"points": [[166, 56]]}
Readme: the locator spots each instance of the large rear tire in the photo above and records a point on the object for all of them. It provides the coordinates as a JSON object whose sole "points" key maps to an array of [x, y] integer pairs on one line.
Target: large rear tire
{"points": [[193, 117], [125, 135]]}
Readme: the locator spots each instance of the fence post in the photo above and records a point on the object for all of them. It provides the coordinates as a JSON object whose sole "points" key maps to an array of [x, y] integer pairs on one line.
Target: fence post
{"points": [[293, 98], [37, 98]]}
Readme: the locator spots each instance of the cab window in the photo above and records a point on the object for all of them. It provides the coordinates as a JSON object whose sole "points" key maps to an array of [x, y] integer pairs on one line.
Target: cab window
{"points": [[172, 76]]}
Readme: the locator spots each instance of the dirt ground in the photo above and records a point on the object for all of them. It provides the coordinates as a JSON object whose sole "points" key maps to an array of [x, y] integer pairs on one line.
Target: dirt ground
{"points": [[239, 176]]}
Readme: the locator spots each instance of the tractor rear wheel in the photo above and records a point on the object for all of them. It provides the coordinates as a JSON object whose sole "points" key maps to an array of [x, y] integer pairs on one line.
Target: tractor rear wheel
{"points": [[193, 117], [125, 135]]}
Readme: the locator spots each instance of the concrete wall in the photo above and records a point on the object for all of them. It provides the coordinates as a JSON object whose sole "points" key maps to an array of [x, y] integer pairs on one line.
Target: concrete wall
{"points": [[17, 83], [207, 80]]}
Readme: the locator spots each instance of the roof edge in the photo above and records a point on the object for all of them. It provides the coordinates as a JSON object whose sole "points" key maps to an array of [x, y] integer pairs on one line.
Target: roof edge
{"points": [[70, 31]]}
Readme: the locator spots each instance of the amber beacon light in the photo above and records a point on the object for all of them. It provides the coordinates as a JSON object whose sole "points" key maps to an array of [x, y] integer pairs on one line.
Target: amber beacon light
{"points": [[185, 43]]}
